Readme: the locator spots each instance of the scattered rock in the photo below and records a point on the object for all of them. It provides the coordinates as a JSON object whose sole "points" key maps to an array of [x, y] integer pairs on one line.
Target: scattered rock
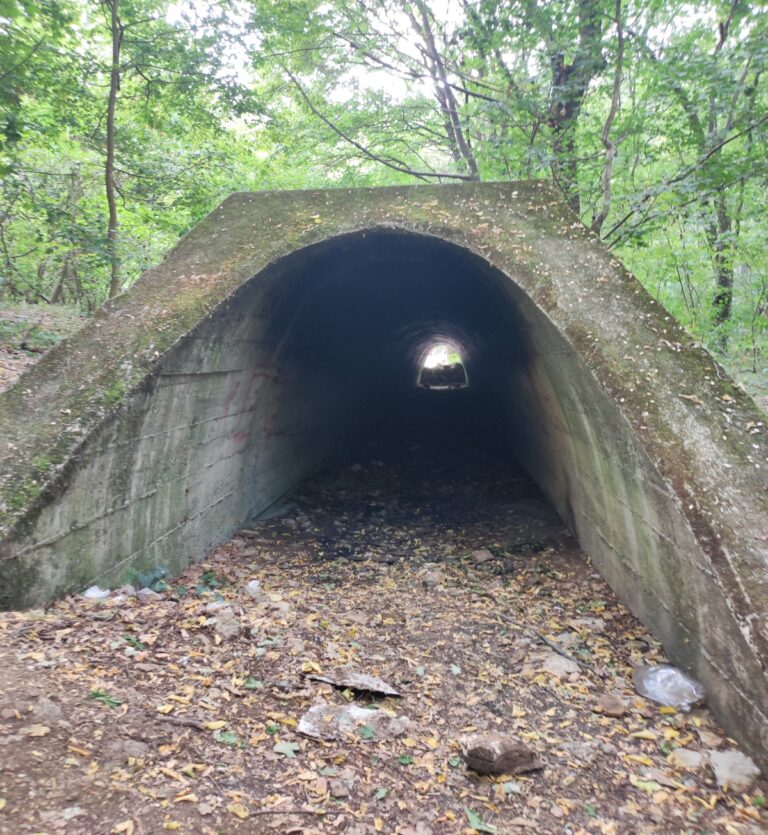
{"points": [[69, 813], [688, 758], [96, 593], [227, 625], [709, 739], [481, 555], [339, 788], [46, 710], [324, 721], [496, 754], [669, 686], [119, 750], [611, 704], [146, 595], [587, 624], [733, 770], [559, 665], [432, 579], [352, 680]]}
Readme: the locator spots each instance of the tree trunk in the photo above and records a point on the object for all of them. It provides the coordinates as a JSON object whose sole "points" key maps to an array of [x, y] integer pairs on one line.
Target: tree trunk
{"points": [[460, 147], [109, 168], [570, 82], [719, 237]]}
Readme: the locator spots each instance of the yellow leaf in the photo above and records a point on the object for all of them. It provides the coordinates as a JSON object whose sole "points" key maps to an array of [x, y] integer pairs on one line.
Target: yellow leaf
{"points": [[3, 803], [181, 699], [643, 735], [637, 758], [173, 825], [174, 775], [188, 797], [215, 726], [311, 667], [378, 824], [668, 710], [124, 828], [238, 810], [165, 709], [432, 742]]}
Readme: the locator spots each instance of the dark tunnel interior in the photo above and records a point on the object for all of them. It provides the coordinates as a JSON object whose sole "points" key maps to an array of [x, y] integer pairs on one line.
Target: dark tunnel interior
{"points": [[352, 325]]}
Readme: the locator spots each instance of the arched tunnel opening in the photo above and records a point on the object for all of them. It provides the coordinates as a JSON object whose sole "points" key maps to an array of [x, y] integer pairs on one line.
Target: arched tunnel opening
{"points": [[382, 344], [396, 354], [419, 367], [355, 327]]}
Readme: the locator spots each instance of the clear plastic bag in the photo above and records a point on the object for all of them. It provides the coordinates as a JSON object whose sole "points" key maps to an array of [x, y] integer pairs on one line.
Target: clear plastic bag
{"points": [[668, 686]]}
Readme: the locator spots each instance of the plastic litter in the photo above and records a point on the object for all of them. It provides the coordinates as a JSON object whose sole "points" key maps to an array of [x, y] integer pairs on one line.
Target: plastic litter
{"points": [[324, 721], [96, 593], [668, 686], [254, 590]]}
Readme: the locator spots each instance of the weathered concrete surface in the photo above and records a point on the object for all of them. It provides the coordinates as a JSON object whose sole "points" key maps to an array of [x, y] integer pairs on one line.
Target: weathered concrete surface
{"points": [[229, 371]]}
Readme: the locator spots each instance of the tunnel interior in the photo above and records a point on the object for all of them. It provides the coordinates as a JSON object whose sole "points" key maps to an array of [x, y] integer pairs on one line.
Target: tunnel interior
{"points": [[350, 328], [388, 346]]}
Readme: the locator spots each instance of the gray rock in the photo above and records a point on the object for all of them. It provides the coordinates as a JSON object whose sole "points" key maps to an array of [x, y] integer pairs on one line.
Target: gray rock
{"points": [[227, 625], [46, 710], [497, 754], [611, 704], [733, 770], [119, 750], [146, 595], [560, 666], [688, 758], [432, 579], [339, 788], [481, 555]]}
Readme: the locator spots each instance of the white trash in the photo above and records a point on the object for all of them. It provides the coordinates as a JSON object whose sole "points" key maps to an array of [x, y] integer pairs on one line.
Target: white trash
{"points": [[668, 686], [96, 593]]}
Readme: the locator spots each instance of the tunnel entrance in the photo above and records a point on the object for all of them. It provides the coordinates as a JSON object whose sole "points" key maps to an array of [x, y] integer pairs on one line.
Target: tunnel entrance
{"points": [[287, 327], [363, 333]]}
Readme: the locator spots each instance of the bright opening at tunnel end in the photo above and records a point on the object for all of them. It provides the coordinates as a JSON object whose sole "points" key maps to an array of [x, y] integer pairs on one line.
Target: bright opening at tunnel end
{"points": [[442, 368]]}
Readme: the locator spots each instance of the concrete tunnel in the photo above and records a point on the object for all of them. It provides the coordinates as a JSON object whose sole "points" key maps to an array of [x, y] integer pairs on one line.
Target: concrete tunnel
{"points": [[286, 324]]}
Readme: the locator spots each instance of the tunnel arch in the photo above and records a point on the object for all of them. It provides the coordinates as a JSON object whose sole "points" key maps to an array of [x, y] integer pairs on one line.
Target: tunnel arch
{"points": [[180, 410]]}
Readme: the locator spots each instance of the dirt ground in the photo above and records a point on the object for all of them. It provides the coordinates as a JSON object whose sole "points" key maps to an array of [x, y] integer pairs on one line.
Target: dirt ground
{"points": [[131, 716], [27, 331]]}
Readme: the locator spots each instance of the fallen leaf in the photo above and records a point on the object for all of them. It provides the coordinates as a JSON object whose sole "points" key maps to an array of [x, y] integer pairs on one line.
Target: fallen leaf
{"points": [[238, 810]]}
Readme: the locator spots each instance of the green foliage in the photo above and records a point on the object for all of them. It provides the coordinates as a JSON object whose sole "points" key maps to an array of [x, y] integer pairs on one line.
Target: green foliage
{"points": [[653, 122], [105, 698]]}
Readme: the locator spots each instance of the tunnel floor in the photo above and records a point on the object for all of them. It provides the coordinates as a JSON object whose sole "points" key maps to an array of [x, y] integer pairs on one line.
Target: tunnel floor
{"points": [[433, 563]]}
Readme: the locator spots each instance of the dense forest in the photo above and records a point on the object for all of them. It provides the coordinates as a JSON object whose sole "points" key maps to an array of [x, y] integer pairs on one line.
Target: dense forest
{"points": [[123, 122]]}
